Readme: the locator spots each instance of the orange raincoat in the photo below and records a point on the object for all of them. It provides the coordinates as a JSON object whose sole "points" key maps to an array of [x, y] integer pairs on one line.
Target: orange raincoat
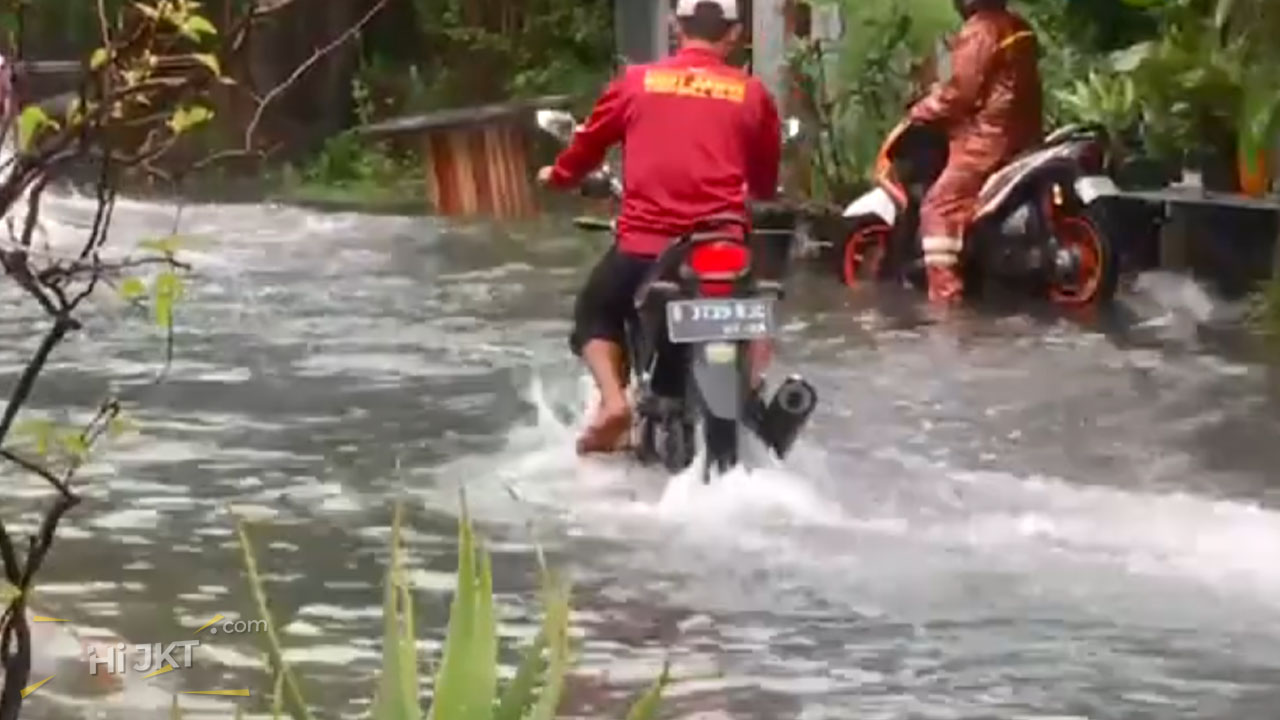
{"points": [[991, 108]]}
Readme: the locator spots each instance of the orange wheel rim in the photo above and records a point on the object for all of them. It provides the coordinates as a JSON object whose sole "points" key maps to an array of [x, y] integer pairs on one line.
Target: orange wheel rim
{"points": [[1078, 235], [864, 253]]}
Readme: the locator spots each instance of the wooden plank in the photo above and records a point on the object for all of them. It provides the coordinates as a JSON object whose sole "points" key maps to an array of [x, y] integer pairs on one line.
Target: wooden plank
{"points": [[479, 170], [481, 180], [442, 172], [463, 175], [429, 160], [496, 173], [518, 172]]}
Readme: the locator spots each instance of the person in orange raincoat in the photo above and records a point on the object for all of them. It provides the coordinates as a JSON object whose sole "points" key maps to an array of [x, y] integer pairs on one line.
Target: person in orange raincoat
{"points": [[991, 108]]}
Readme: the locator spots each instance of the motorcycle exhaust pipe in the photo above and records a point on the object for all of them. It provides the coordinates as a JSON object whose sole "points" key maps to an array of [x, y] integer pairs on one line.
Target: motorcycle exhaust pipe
{"points": [[788, 413]]}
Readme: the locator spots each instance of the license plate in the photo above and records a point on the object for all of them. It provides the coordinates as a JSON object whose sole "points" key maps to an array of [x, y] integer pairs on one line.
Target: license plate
{"points": [[711, 320]]}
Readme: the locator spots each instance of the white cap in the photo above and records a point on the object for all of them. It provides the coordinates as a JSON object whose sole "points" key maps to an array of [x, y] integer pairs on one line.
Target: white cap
{"points": [[685, 8]]}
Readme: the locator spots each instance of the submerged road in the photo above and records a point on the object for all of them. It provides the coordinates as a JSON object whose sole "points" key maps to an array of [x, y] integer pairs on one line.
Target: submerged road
{"points": [[999, 517]]}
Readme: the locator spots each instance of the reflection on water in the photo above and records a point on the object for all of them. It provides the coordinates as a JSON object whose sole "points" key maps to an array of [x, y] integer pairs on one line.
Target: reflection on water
{"points": [[998, 514]]}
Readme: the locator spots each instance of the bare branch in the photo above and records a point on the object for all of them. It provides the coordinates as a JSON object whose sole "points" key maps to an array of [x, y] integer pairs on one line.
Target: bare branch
{"points": [[299, 71], [62, 325], [37, 469]]}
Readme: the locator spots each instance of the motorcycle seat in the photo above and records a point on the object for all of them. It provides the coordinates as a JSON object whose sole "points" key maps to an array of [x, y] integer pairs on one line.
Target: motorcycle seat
{"points": [[1002, 182]]}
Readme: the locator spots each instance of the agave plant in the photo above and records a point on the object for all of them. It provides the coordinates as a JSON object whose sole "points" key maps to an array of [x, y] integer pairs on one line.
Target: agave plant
{"points": [[466, 684]]}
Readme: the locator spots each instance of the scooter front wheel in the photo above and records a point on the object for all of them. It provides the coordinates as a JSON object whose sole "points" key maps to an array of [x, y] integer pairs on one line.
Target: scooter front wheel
{"points": [[864, 253]]}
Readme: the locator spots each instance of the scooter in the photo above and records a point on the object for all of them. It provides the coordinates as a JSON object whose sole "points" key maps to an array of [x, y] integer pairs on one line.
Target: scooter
{"points": [[1039, 226], [697, 313]]}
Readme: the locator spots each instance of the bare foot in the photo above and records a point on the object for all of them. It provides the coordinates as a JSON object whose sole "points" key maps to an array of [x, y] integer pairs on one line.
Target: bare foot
{"points": [[608, 432]]}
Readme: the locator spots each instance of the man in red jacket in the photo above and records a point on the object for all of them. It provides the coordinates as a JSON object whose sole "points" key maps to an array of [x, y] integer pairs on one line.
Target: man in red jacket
{"points": [[990, 107], [698, 135]]}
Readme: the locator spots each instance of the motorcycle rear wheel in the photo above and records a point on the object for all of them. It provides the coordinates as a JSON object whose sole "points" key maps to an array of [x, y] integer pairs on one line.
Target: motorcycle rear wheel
{"points": [[677, 445], [720, 440], [1083, 233]]}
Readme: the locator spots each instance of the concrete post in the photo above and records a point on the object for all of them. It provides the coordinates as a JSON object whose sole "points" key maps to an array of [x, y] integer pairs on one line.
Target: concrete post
{"points": [[1275, 187], [769, 46], [640, 29]]}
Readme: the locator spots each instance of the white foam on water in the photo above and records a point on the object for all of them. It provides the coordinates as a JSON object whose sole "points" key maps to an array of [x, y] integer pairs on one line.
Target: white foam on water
{"points": [[921, 540]]}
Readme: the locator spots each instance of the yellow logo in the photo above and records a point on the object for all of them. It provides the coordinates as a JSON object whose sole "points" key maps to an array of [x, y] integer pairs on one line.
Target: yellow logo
{"points": [[695, 83]]}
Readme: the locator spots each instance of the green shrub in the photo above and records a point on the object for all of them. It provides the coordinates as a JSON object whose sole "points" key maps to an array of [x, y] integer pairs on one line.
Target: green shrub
{"points": [[466, 684]]}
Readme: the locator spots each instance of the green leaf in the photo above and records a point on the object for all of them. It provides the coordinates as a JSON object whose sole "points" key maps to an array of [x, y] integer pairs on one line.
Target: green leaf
{"points": [[210, 61], [73, 444], [147, 10], [466, 682], [118, 426], [185, 118], [277, 696], [133, 288], [99, 58], [1132, 57], [8, 594], [518, 697], [397, 695], [168, 245], [289, 693], [556, 626], [198, 25], [646, 708], [167, 291], [39, 431], [30, 122], [75, 112], [1222, 13]]}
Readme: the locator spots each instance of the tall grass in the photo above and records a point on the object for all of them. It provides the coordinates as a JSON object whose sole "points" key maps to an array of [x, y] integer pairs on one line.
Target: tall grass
{"points": [[466, 683]]}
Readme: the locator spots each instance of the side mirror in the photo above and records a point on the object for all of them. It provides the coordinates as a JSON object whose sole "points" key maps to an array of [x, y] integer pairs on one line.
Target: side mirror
{"points": [[557, 123], [790, 129]]}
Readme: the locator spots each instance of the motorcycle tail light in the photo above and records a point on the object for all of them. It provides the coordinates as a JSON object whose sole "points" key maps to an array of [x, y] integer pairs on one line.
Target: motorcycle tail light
{"points": [[717, 265], [722, 260]]}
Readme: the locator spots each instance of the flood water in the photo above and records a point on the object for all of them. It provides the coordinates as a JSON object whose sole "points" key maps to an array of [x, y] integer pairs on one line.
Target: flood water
{"points": [[994, 517]]}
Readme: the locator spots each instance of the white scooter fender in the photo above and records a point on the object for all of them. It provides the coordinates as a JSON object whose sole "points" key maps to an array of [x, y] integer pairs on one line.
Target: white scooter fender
{"points": [[874, 203], [1092, 187]]}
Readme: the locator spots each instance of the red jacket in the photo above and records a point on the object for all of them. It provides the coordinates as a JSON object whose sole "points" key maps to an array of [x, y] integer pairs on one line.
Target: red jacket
{"points": [[697, 136], [991, 105]]}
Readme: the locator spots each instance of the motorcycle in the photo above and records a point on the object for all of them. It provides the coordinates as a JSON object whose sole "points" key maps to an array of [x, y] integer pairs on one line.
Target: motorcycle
{"points": [[709, 296], [1039, 226]]}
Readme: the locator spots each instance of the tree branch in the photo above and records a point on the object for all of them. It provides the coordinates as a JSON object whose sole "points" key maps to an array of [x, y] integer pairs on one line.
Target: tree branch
{"points": [[299, 71]]}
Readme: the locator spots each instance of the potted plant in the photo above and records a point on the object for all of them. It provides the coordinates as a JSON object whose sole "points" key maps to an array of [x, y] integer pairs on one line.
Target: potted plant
{"points": [[1254, 25], [1258, 129], [1189, 88]]}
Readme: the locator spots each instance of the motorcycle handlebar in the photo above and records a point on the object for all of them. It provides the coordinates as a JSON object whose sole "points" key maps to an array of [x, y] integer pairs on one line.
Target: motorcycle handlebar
{"points": [[594, 224]]}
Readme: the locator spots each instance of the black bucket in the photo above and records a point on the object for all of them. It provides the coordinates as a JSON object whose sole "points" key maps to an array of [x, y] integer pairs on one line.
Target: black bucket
{"points": [[772, 236]]}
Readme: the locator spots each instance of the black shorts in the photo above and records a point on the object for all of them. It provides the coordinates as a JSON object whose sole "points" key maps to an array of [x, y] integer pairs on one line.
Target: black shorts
{"points": [[607, 300]]}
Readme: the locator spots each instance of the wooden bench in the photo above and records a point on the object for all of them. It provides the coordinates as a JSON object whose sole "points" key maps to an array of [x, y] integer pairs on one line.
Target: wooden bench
{"points": [[476, 159]]}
